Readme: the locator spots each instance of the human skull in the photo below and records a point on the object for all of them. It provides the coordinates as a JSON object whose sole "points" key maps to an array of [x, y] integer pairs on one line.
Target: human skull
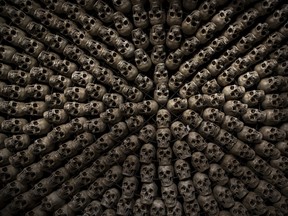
{"points": [[163, 137], [158, 208], [148, 193], [268, 191], [213, 152], [140, 16], [56, 116], [182, 169], [174, 37], [223, 196], [254, 203], [174, 15], [161, 93], [181, 149], [179, 130], [242, 150], [231, 165], [169, 195], [110, 198], [254, 116], [177, 105], [164, 156], [250, 135], [14, 125], [140, 38], [156, 13], [157, 35], [237, 187], [208, 204], [147, 173], [166, 175], [272, 134], [140, 208], [232, 124], [191, 23], [127, 70], [208, 129], [191, 118], [147, 153], [202, 183], [188, 89], [266, 149], [144, 83], [160, 74], [113, 175], [142, 60], [187, 190], [131, 165], [217, 174], [148, 107]]}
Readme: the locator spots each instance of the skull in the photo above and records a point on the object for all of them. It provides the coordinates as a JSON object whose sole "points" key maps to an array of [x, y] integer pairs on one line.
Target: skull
{"points": [[131, 165], [197, 102], [272, 134], [280, 163], [111, 115], [17, 142], [100, 165], [140, 208], [169, 195], [208, 204], [232, 124], [172, 62], [56, 116], [223, 196], [217, 174], [222, 18], [191, 118], [14, 92], [177, 105], [163, 137], [140, 38], [156, 13], [235, 108], [125, 48], [182, 169], [112, 99], [135, 123], [242, 150], [140, 16], [144, 83], [187, 190], [127, 70], [267, 150], [211, 87], [161, 93], [82, 78], [130, 144], [206, 32], [174, 37], [133, 94], [213, 152], [188, 89], [164, 156], [158, 208], [191, 23], [272, 101], [94, 208], [213, 115], [268, 191], [254, 203], [199, 161], [208, 129], [148, 193], [75, 94], [202, 183], [273, 116], [239, 209], [254, 116], [270, 84], [122, 24], [231, 165], [113, 175], [19, 77], [160, 74], [175, 14], [157, 35], [110, 198], [14, 125], [163, 118], [116, 155], [129, 109], [148, 107], [147, 153], [216, 100], [237, 187], [59, 82], [166, 175], [142, 60], [250, 135], [191, 206], [233, 92], [175, 210], [95, 125], [181, 149], [179, 130], [148, 173]]}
